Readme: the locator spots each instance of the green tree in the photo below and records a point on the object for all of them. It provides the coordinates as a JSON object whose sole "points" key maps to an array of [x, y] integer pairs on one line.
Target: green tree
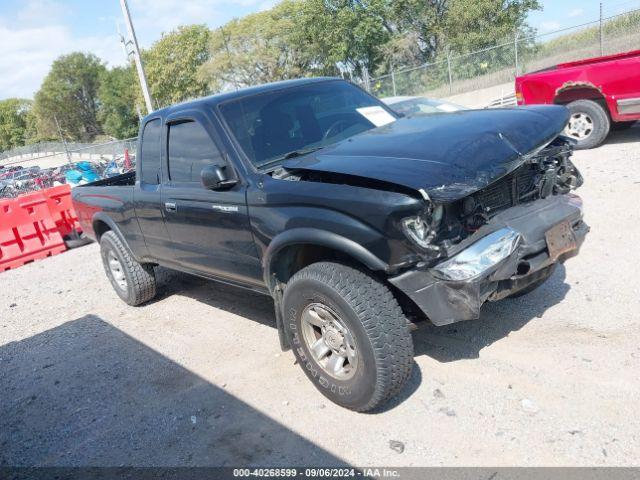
{"points": [[118, 94], [172, 64], [263, 47], [349, 33], [70, 93], [459, 25], [14, 122], [310, 37]]}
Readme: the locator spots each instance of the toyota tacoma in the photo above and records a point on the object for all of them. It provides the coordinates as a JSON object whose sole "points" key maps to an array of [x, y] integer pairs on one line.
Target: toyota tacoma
{"points": [[354, 220]]}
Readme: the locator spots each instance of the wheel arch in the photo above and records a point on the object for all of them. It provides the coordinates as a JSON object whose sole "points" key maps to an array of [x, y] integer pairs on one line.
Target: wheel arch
{"points": [[572, 91], [295, 249], [102, 224], [100, 227]]}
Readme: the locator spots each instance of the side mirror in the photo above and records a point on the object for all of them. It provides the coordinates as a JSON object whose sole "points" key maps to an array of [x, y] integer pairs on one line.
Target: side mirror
{"points": [[214, 177]]}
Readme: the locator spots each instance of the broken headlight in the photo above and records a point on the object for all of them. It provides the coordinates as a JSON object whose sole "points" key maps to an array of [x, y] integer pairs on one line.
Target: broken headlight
{"points": [[479, 257], [422, 228]]}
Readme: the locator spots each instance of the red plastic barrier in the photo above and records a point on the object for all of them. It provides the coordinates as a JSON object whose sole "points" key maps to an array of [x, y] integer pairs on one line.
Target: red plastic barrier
{"points": [[127, 160], [61, 208], [27, 231]]}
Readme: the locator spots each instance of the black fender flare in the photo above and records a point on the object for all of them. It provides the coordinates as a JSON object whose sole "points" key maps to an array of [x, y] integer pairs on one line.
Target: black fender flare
{"points": [[310, 236], [321, 238], [113, 226]]}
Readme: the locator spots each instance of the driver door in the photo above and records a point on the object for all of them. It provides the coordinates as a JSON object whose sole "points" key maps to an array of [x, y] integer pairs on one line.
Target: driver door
{"points": [[209, 230]]}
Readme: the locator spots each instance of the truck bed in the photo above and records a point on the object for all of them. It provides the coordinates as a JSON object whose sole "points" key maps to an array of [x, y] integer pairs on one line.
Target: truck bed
{"points": [[112, 197], [128, 178], [606, 58]]}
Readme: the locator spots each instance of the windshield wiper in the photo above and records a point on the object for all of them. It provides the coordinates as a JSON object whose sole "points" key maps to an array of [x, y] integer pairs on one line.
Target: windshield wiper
{"points": [[290, 155], [300, 153]]}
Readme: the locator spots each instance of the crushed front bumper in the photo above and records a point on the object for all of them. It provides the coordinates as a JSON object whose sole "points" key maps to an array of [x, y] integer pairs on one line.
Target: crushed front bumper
{"points": [[449, 301]]}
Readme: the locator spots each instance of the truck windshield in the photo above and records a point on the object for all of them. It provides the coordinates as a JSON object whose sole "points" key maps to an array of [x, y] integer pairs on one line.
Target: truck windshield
{"points": [[293, 121]]}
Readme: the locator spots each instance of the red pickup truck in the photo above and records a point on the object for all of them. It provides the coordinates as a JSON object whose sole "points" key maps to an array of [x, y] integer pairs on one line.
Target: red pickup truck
{"points": [[601, 93]]}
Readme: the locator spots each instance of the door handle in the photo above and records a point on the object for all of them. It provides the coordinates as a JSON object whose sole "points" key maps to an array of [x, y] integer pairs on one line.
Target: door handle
{"points": [[170, 207]]}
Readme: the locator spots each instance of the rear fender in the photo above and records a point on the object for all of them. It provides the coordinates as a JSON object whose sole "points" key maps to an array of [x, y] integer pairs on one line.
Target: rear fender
{"points": [[104, 218]]}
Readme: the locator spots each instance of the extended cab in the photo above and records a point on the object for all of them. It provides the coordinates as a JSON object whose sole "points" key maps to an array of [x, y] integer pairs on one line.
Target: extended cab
{"points": [[352, 219], [600, 93]]}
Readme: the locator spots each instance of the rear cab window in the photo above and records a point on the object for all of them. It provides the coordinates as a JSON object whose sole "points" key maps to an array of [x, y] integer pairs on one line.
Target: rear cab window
{"points": [[150, 152]]}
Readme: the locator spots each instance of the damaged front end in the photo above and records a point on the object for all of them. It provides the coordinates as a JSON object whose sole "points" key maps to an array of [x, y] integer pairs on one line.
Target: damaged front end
{"points": [[499, 240]]}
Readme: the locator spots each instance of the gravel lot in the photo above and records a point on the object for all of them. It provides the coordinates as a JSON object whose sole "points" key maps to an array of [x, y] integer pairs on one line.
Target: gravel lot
{"points": [[197, 378]]}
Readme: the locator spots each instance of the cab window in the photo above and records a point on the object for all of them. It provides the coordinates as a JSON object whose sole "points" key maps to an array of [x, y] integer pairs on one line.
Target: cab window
{"points": [[190, 150]]}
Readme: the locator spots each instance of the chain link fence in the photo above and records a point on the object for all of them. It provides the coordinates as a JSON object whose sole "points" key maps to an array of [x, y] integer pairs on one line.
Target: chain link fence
{"points": [[48, 164], [48, 150], [461, 73]]}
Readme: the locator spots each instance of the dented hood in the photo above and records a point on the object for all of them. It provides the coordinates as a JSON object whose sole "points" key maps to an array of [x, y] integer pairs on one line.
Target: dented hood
{"points": [[448, 155]]}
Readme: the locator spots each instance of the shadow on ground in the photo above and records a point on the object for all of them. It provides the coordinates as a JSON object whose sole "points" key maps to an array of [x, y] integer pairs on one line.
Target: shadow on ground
{"points": [[253, 306], [459, 341], [464, 340], [625, 135], [87, 394], [239, 301]]}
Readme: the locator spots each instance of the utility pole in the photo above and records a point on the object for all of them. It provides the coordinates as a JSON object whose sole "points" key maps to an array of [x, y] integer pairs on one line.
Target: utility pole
{"points": [[601, 32], [136, 56]]}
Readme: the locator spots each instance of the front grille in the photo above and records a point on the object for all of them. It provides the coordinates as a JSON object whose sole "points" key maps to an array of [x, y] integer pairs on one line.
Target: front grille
{"points": [[517, 187]]}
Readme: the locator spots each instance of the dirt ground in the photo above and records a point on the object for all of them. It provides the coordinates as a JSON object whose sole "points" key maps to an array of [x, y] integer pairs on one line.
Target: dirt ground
{"points": [[197, 377]]}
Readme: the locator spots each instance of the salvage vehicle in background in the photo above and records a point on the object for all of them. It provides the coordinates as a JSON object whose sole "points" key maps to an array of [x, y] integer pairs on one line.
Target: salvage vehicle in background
{"points": [[405, 106], [601, 93], [352, 219]]}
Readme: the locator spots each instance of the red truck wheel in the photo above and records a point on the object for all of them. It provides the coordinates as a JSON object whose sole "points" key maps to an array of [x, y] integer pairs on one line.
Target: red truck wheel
{"points": [[589, 124]]}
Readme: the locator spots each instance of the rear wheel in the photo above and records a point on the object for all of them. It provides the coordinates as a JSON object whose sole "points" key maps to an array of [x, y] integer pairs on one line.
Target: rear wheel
{"points": [[348, 334], [589, 124], [134, 282]]}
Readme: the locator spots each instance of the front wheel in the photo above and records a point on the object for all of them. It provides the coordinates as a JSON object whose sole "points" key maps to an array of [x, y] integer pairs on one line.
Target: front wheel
{"points": [[589, 124], [348, 334]]}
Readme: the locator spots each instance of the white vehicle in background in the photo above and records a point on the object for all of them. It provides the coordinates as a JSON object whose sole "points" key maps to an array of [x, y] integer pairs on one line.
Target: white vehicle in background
{"points": [[420, 105]]}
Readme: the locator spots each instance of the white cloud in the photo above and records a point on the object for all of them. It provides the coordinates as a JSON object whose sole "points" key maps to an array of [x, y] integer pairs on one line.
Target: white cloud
{"points": [[26, 55], [576, 12], [43, 30], [550, 26], [152, 17], [42, 11]]}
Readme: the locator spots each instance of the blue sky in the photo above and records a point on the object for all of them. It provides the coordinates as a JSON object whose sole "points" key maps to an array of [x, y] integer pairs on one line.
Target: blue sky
{"points": [[35, 32]]}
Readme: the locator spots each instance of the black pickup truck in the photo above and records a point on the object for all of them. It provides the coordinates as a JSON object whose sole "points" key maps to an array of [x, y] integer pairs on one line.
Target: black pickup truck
{"points": [[354, 220]]}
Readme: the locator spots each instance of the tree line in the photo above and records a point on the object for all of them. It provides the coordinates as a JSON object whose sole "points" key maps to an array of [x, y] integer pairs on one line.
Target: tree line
{"points": [[295, 38]]}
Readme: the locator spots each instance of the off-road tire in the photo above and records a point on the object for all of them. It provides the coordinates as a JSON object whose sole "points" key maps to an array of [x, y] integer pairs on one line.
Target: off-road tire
{"points": [[601, 122], [376, 322], [141, 279]]}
